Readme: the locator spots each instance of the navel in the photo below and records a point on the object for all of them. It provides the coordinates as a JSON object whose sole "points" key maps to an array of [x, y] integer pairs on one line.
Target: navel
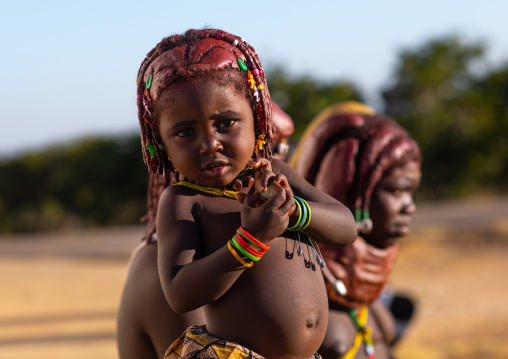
{"points": [[312, 321]]}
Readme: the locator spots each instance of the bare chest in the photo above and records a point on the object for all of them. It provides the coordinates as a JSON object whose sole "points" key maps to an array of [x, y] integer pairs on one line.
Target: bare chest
{"points": [[218, 221]]}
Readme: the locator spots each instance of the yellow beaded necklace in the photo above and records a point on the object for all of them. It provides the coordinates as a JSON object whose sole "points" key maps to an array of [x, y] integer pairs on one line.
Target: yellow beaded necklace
{"points": [[220, 192], [211, 190]]}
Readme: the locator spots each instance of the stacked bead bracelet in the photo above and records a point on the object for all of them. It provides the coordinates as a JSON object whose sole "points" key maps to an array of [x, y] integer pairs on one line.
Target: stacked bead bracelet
{"points": [[304, 215], [247, 245]]}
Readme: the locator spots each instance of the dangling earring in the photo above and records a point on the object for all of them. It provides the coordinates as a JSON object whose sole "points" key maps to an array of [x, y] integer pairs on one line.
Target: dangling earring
{"points": [[367, 224], [364, 225]]}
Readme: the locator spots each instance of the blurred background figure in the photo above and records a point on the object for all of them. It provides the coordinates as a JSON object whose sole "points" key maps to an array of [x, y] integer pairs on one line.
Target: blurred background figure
{"points": [[372, 165]]}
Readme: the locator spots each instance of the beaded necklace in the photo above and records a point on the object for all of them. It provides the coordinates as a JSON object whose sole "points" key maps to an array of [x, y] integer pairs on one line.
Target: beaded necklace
{"points": [[363, 333], [221, 192], [211, 190]]}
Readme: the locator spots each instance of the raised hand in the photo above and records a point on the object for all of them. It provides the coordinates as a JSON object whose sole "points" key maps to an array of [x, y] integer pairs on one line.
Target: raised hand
{"points": [[265, 212]]}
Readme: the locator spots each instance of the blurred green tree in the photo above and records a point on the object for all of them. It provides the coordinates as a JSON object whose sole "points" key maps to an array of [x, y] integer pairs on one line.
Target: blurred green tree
{"points": [[489, 164], [444, 95], [92, 182]]}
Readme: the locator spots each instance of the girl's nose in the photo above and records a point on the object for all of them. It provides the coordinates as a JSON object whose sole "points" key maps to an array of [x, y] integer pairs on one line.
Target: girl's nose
{"points": [[210, 145]]}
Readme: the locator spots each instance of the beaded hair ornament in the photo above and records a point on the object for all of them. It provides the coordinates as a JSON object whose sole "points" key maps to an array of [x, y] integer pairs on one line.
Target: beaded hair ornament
{"points": [[190, 55]]}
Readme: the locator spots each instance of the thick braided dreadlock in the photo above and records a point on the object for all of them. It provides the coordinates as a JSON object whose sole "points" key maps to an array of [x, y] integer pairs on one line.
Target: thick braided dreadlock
{"points": [[346, 155], [195, 54]]}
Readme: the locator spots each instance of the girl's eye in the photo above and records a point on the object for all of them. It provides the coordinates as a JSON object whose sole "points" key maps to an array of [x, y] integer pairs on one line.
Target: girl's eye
{"points": [[226, 123], [184, 133]]}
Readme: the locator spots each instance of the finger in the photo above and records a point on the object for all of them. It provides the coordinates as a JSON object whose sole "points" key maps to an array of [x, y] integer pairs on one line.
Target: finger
{"points": [[271, 177], [251, 199], [284, 183], [260, 166], [260, 163], [267, 178], [281, 180]]}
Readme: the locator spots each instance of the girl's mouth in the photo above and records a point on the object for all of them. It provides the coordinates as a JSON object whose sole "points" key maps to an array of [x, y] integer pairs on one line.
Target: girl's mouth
{"points": [[215, 169]]}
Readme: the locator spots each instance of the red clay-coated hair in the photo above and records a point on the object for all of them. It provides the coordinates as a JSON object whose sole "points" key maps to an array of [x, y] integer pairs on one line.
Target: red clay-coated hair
{"points": [[196, 54]]}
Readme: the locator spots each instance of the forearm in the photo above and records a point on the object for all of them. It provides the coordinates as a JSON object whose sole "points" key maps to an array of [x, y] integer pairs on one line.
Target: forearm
{"points": [[330, 223], [200, 282]]}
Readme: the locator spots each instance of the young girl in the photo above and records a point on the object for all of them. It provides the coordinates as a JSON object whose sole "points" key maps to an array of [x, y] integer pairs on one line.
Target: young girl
{"points": [[146, 324], [373, 166], [223, 238]]}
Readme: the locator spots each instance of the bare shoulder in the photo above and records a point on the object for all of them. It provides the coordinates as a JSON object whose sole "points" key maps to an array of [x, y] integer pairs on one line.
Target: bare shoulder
{"points": [[177, 201], [178, 220]]}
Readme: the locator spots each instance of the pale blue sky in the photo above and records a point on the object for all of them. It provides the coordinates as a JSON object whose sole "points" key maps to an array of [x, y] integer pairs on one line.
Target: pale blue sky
{"points": [[68, 68]]}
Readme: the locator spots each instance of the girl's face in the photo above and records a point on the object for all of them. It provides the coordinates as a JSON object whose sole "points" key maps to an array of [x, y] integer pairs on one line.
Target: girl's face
{"points": [[207, 130], [392, 205]]}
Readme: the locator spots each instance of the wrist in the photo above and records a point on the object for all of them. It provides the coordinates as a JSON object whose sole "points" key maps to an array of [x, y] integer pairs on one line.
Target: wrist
{"points": [[304, 215], [293, 217]]}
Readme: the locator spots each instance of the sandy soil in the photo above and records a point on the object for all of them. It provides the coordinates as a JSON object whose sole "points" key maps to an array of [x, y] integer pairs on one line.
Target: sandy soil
{"points": [[60, 292]]}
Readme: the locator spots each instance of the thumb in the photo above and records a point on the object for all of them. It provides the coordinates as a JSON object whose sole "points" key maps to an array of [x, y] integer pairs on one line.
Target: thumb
{"points": [[252, 199]]}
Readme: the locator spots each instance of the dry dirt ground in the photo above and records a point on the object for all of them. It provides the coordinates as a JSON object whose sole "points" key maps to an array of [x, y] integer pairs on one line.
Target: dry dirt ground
{"points": [[60, 292]]}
